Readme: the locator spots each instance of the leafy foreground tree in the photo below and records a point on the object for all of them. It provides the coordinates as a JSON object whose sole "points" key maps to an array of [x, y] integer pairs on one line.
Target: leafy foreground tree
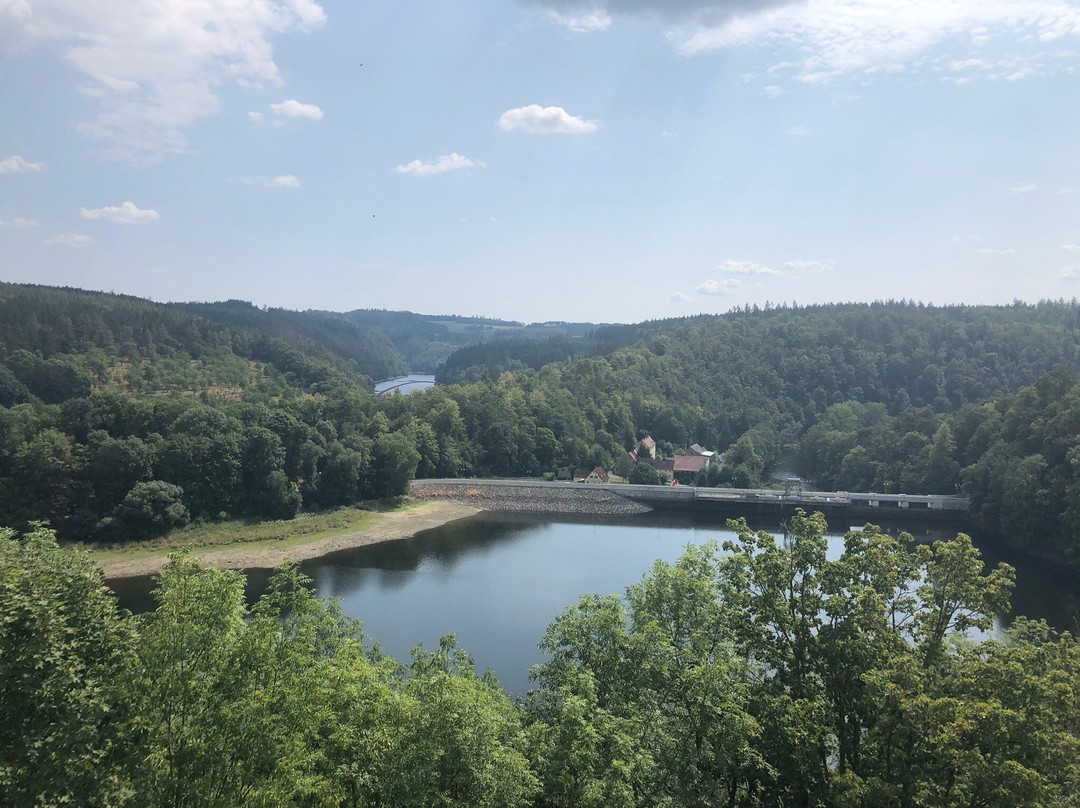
{"points": [[763, 675], [772, 676], [63, 645]]}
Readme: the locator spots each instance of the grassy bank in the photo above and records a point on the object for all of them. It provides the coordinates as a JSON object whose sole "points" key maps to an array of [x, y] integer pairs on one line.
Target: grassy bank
{"points": [[251, 535]]}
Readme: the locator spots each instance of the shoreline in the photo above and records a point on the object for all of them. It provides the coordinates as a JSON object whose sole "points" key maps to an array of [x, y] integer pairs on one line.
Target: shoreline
{"points": [[389, 527]]}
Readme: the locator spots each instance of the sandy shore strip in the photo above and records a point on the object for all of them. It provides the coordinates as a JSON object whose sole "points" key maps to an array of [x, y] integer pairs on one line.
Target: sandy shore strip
{"points": [[390, 527]]}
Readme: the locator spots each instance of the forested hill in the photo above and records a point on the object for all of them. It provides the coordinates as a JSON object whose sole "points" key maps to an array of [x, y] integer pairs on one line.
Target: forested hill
{"points": [[784, 366], [57, 344], [425, 341]]}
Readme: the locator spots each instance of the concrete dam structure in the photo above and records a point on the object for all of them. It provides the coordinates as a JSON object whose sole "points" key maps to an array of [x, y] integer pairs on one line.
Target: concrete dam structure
{"points": [[756, 503]]}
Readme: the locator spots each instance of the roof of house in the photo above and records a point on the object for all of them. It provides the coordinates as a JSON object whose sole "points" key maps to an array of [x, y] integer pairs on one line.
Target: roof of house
{"points": [[698, 449], [599, 472], [580, 474], [690, 463], [648, 441]]}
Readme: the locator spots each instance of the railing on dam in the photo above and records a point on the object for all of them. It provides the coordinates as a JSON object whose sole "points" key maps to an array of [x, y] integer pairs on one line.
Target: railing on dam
{"points": [[686, 494]]}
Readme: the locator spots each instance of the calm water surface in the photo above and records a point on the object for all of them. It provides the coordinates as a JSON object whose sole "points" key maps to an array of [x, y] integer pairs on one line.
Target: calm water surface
{"points": [[498, 580], [406, 384]]}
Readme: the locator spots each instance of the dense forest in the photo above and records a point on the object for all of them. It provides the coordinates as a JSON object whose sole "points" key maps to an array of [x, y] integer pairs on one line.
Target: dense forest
{"points": [[760, 675], [121, 418]]}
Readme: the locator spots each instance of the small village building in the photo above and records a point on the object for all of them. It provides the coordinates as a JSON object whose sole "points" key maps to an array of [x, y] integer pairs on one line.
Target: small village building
{"points": [[690, 463], [701, 451], [597, 475], [565, 474], [580, 475], [647, 447], [688, 467]]}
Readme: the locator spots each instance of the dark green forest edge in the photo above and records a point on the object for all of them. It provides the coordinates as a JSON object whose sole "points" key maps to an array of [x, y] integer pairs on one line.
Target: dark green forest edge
{"points": [[121, 419], [757, 674]]}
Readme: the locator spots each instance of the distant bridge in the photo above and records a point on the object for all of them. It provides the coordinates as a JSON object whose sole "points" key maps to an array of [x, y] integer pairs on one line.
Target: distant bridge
{"points": [[758, 501]]}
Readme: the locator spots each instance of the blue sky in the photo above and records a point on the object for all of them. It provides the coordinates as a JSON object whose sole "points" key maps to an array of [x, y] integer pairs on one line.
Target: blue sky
{"points": [[603, 160]]}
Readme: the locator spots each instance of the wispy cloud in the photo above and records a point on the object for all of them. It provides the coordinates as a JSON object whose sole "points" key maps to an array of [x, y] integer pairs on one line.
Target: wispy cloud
{"points": [[728, 286], [17, 165], [285, 181], [966, 239], [679, 297], [1071, 247], [1071, 273], [153, 68], [74, 240], [440, 165], [545, 121], [992, 251], [294, 109], [798, 131], [1024, 188], [798, 265], [18, 223], [581, 23], [124, 213], [845, 37], [745, 268], [772, 90]]}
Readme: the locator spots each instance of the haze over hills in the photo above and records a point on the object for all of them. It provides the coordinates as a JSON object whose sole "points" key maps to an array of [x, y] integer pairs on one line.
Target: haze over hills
{"points": [[426, 341]]}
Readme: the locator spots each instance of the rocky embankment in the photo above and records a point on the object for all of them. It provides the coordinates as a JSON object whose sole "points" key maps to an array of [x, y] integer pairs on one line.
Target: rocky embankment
{"points": [[550, 498]]}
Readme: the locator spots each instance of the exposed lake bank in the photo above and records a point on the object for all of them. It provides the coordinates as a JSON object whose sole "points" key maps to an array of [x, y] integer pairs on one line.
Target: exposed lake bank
{"points": [[391, 526]]}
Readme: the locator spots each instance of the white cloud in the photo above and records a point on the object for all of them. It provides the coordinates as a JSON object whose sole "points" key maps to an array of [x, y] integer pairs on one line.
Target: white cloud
{"points": [[545, 120], [440, 165], [728, 286], [674, 12], [808, 266], [153, 67], [17, 165], [294, 109], [1067, 191], [582, 23], [992, 251], [798, 131], [842, 37], [255, 116], [779, 66], [1025, 188], [1071, 247], [74, 240], [772, 91], [745, 268], [827, 39], [679, 297], [18, 223], [1071, 273], [963, 239], [124, 213], [285, 181]]}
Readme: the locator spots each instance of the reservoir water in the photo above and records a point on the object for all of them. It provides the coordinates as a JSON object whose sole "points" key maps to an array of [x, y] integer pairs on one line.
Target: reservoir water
{"points": [[405, 384], [498, 580]]}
